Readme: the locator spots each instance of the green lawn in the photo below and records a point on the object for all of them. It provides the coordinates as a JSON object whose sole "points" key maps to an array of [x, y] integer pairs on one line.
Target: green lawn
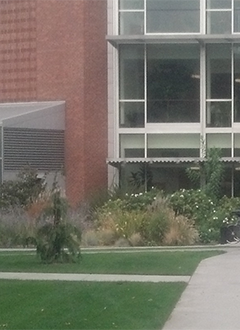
{"points": [[148, 262], [94, 306], [68, 305]]}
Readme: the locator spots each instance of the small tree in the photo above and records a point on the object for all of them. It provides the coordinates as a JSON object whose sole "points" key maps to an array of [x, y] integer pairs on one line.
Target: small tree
{"points": [[210, 175], [57, 240]]}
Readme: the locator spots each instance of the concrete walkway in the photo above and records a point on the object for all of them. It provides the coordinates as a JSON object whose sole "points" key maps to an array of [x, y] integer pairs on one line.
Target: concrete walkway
{"points": [[212, 297], [92, 277]]}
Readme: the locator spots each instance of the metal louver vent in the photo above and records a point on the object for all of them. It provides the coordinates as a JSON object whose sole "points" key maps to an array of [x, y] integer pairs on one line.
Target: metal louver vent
{"points": [[38, 148]]}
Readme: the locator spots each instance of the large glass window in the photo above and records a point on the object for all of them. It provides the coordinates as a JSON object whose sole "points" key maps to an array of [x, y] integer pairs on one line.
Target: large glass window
{"points": [[178, 16], [221, 141], [131, 114], [131, 72], [173, 145], [219, 16], [171, 16], [237, 16], [219, 114], [218, 85], [131, 17], [236, 145], [131, 23], [219, 71], [219, 4], [219, 22], [131, 145], [131, 4], [173, 83], [236, 83]]}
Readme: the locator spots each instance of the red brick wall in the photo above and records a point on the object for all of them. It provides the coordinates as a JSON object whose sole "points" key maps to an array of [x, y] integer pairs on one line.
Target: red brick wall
{"points": [[17, 50], [64, 59], [95, 91]]}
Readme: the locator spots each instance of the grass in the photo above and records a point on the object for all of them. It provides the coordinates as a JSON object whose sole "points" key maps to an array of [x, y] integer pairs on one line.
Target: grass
{"points": [[94, 306], [152, 263], [66, 305]]}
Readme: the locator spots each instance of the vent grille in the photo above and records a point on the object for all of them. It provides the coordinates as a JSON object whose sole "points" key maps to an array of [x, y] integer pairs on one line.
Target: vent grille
{"points": [[38, 148]]}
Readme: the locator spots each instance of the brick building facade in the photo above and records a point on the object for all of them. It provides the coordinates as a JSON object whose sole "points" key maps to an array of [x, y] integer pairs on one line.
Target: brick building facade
{"points": [[50, 50]]}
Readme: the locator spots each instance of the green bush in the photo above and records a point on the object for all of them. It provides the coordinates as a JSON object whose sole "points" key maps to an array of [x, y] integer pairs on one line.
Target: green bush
{"points": [[208, 215], [163, 226], [123, 217], [56, 239], [152, 223], [155, 223], [15, 227], [120, 222], [22, 191]]}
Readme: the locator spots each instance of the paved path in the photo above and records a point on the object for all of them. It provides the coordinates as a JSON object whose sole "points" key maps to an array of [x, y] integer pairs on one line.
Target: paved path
{"points": [[92, 277], [212, 297]]}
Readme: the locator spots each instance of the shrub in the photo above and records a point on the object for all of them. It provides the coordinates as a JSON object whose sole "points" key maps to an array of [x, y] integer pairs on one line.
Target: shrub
{"points": [[56, 239], [121, 223], [122, 242], [15, 227], [162, 226], [107, 236], [136, 239], [133, 201], [208, 215], [150, 224], [181, 232], [90, 238], [22, 191], [194, 204], [156, 225]]}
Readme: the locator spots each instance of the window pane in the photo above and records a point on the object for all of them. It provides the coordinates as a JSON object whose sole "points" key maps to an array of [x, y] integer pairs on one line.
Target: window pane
{"points": [[132, 175], [219, 22], [131, 73], [131, 145], [173, 145], [1, 171], [218, 72], [236, 145], [218, 114], [222, 141], [1, 142], [219, 4], [131, 23], [237, 83], [131, 114], [237, 15], [236, 182], [173, 16], [173, 83], [131, 4]]}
